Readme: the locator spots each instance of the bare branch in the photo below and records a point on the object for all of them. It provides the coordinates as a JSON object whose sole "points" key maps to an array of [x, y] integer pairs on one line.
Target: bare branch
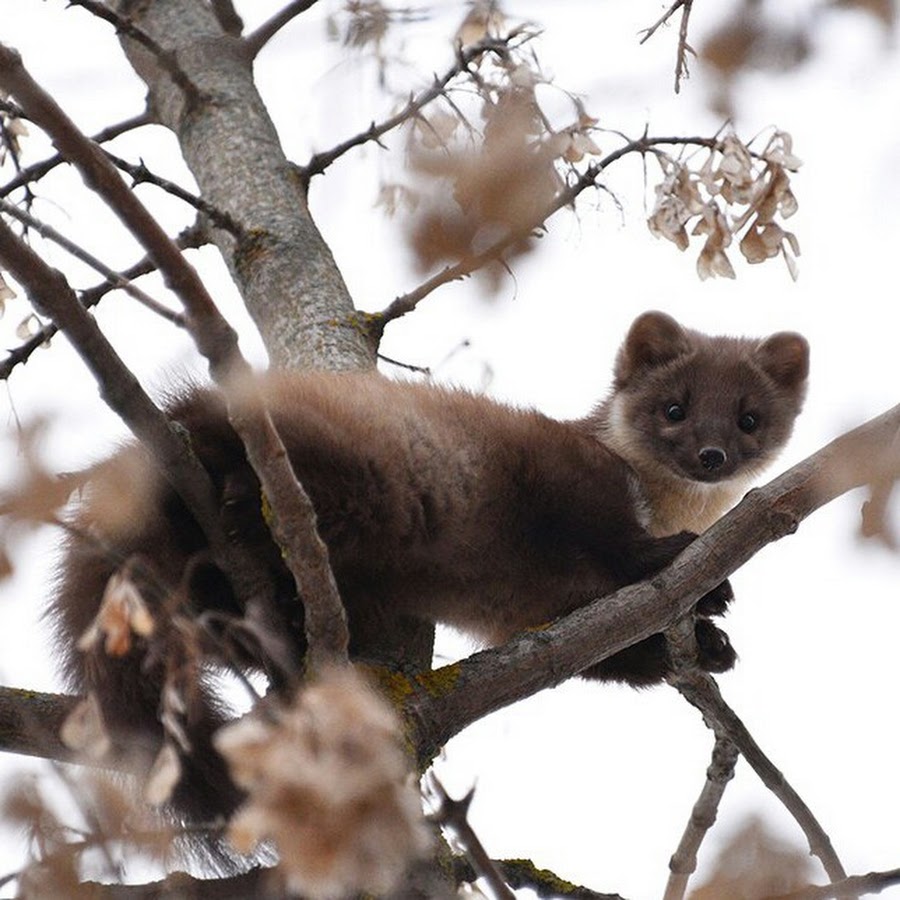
{"points": [[35, 172], [30, 722], [166, 58], [684, 861], [454, 816], [190, 238], [465, 56], [495, 678], [257, 883], [141, 174], [258, 39], [51, 296], [873, 883], [114, 279], [681, 67], [701, 691], [522, 873]]}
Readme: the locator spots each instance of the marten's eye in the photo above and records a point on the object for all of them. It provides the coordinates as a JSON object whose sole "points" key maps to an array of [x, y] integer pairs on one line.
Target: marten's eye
{"points": [[675, 412], [748, 422]]}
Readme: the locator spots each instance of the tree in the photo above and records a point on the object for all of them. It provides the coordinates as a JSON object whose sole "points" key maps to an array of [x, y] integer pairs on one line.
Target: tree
{"points": [[252, 204]]}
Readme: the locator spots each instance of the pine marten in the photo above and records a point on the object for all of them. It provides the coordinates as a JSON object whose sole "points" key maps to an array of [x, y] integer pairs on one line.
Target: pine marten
{"points": [[438, 504]]}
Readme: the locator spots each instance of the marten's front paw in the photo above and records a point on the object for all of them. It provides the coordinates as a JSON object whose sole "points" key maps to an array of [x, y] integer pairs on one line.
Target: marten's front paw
{"points": [[715, 603], [714, 650]]}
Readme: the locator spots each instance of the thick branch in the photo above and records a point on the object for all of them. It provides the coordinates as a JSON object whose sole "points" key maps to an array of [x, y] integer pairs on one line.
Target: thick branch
{"points": [[30, 723], [857, 885], [495, 678]]}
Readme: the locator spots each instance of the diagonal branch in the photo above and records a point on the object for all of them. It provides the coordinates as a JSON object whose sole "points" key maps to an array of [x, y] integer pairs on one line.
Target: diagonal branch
{"points": [[113, 278], [38, 170], [51, 296], [141, 174], [190, 238], [701, 691], [492, 679], [872, 883], [166, 58], [465, 56], [258, 39], [406, 303]]}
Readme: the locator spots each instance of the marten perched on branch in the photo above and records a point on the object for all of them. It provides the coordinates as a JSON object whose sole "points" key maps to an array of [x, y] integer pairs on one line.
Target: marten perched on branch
{"points": [[434, 503]]}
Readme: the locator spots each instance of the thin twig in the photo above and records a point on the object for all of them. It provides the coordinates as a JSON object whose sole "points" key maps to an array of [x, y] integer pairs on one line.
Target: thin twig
{"points": [[681, 67], [701, 691], [190, 238], [256, 40], [141, 174], [649, 32], [166, 58], [38, 170], [454, 816], [115, 279], [465, 56]]}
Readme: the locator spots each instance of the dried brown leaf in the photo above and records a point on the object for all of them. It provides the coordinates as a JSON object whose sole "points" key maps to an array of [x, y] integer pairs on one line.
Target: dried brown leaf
{"points": [[84, 730], [328, 782], [755, 864]]}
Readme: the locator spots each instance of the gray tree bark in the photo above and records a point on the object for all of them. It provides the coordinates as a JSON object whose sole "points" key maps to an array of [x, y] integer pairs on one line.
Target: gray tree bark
{"points": [[282, 267]]}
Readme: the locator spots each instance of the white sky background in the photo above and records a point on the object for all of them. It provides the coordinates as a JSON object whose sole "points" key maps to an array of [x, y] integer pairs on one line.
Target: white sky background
{"points": [[595, 782]]}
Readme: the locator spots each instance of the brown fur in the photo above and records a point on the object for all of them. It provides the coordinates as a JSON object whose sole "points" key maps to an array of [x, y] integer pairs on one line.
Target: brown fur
{"points": [[441, 505]]}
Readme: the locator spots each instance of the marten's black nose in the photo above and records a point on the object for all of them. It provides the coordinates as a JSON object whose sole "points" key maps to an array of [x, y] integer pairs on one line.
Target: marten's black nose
{"points": [[712, 458]]}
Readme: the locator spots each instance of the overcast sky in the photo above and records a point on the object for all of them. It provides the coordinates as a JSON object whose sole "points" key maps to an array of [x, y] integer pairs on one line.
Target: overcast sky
{"points": [[595, 782]]}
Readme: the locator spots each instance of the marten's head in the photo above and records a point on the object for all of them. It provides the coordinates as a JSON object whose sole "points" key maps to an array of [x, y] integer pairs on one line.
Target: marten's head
{"points": [[705, 408]]}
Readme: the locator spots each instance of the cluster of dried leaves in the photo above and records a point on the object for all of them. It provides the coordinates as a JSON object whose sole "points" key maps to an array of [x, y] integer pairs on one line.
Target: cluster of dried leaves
{"points": [[112, 826], [486, 164], [734, 194], [329, 783]]}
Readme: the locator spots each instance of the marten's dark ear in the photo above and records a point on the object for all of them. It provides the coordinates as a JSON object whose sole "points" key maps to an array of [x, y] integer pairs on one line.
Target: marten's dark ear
{"points": [[653, 339], [784, 357]]}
